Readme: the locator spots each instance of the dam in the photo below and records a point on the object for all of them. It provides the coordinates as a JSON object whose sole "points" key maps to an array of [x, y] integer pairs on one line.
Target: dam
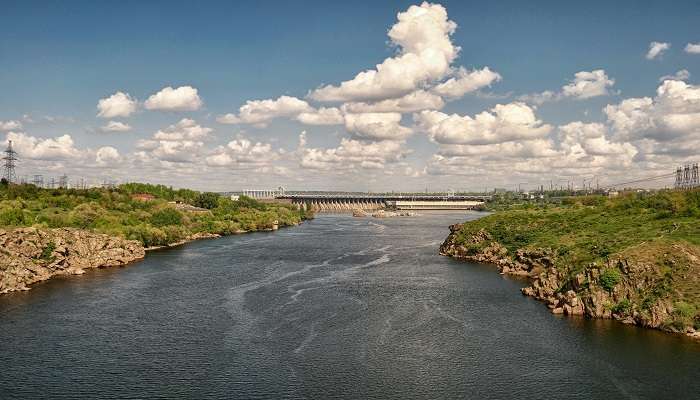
{"points": [[347, 202]]}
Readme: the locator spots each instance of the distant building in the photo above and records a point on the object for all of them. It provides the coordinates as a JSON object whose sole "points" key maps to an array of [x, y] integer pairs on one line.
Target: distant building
{"points": [[235, 197], [143, 197]]}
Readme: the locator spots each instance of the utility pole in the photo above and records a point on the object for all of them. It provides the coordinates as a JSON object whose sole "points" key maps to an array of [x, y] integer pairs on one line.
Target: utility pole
{"points": [[10, 159]]}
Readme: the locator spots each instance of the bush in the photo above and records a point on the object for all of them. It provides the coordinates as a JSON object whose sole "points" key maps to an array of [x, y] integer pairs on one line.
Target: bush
{"points": [[11, 217], [166, 216], [207, 200], [46, 252], [623, 307], [610, 278], [84, 215], [147, 235]]}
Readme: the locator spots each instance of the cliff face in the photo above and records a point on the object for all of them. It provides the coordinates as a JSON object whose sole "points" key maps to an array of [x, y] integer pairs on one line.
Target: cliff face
{"points": [[29, 255], [629, 287]]}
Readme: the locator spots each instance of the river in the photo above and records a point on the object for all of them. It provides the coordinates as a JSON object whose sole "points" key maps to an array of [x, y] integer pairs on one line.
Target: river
{"points": [[339, 307]]}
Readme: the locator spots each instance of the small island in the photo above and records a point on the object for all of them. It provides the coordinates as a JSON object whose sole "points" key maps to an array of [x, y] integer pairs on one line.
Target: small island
{"points": [[634, 258], [49, 232]]}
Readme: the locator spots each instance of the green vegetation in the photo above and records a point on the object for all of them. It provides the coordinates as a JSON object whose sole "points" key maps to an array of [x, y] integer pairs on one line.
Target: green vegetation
{"points": [[610, 278], [658, 233], [47, 251], [590, 228], [153, 222]]}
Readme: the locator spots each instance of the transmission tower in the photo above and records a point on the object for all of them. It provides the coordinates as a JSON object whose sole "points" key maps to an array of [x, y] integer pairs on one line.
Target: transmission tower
{"points": [[10, 160], [38, 180], [63, 181], [687, 176]]}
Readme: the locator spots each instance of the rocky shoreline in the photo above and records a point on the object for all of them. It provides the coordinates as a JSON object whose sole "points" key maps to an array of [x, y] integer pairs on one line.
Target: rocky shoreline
{"points": [[31, 255], [583, 293]]}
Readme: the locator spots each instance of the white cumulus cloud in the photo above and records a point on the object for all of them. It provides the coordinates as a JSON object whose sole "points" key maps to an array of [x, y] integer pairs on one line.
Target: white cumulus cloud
{"points": [[119, 104], [586, 84], [692, 48], [259, 112], [184, 98], [422, 35], [377, 126], [466, 81], [503, 123]]}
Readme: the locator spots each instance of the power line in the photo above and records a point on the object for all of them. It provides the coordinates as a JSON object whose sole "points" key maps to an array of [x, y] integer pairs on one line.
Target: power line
{"points": [[653, 178]]}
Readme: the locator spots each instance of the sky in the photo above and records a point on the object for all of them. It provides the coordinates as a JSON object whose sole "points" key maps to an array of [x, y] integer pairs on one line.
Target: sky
{"points": [[365, 96]]}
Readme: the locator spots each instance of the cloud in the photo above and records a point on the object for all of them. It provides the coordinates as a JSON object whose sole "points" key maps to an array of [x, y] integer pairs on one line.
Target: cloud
{"points": [[351, 154], [692, 48], [574, 149], [422, 35], [44, 149], [178, 143], [174, 151], [107, 155], [588, 84], [186, 129], [184, 98], [412, 102], [114, 126], [117, 105], [584, 86], [656, 49], [322, 116], [503, 123], [259, 112], [592, 138], [680, 75], [242, 151], [377, 126], [10, 125], [673, 115], [466, 81]]}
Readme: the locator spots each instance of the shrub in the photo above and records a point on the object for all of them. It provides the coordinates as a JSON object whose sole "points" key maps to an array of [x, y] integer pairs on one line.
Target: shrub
{"points": [[46, 252], [623, 307], [11, 217], [166, 216], [207, 200], [610, 278]]}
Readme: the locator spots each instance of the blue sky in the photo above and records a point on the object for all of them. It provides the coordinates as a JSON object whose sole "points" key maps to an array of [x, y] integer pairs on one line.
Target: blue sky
{"points": [[58, 59]]}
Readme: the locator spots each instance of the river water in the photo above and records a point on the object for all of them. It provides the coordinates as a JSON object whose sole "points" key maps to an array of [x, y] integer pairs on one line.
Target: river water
{"points": [[339, 307]]}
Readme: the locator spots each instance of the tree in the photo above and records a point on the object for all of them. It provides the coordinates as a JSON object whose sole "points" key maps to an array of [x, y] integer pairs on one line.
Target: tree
{"points": [[207, 200]]}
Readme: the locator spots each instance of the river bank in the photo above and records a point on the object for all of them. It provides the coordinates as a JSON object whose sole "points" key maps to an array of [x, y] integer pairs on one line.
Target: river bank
{"points": [[600, 261], [31, 255]]}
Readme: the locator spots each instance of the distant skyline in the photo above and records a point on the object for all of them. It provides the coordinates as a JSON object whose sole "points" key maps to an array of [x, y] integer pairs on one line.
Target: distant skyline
{"points": [[350, 96]]}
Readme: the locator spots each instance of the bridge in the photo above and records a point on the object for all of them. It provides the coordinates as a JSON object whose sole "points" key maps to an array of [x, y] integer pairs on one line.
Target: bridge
{"points": [[329, 201]]}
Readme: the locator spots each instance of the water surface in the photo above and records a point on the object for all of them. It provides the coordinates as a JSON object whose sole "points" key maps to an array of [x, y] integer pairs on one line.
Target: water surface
{"points": [[339, 307]]}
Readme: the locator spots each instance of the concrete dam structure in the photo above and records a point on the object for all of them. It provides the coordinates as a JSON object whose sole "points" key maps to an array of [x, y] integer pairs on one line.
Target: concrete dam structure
{"points": [[371, 202]]}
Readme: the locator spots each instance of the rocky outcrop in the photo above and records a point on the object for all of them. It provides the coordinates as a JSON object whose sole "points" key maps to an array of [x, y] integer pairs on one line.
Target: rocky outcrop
{"points": [[30, 255], [636, 297]]}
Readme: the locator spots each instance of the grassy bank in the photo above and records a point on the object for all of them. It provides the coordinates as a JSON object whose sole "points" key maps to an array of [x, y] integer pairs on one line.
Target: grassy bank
{"points": [[152, 214], [644, 247]]}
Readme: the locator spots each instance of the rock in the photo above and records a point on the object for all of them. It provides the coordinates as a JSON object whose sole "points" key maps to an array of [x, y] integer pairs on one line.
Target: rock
{"points": [[32, 255]]}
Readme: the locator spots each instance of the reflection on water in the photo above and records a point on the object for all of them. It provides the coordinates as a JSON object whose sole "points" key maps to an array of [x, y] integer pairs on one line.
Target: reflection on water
{"points": [[339, 307]]}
